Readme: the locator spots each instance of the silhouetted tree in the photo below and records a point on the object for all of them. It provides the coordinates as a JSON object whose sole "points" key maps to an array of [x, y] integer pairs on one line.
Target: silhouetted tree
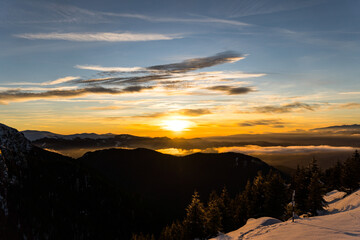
{"points": [[142, 236], [214, 215], [226, 210], [173, 232], [300, 183], [194, 222], [351, 176], [275, 195], [333, 177]]}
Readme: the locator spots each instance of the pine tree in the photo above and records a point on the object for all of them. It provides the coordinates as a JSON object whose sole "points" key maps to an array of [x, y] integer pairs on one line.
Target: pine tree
{"points": [[300, 183], [213, 215], [275, 194], [194, 222], [333, 177], [142, 236], [226, 210], [258, 195], [316, 190], [173, 232], [351, 176], [240, 210]]}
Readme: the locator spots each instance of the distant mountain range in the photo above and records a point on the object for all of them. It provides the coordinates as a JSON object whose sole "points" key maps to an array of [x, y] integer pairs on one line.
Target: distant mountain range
{"points": [[34, 135], [327, 146], [106, 194]]}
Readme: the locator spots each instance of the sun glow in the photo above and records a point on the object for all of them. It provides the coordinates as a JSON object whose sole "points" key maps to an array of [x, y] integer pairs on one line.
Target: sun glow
{"points": [[176, 125]]}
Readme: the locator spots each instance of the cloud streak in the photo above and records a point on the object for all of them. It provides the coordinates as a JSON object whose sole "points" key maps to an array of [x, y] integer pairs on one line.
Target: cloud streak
{"points": [[48, 83], [195, 112], [200, 19], [70, 14], [98, 36], [110, 69], [184, 112], [173, 73], [340, 129], [232, 90], [286, 108], [105, 108], [198, 63], [262, 122], [19, 95], [118, 80]]}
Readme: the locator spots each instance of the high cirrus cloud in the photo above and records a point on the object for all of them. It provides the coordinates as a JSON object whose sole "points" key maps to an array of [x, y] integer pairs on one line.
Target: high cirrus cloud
{"points": [[98, 36]]}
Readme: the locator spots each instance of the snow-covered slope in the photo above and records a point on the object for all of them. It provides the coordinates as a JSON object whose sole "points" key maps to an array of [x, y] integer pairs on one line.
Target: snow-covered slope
{"points": [[342, 221]]}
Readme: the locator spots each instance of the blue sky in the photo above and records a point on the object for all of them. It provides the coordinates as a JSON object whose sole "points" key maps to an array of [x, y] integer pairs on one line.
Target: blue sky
{"points": [[297, 55]]}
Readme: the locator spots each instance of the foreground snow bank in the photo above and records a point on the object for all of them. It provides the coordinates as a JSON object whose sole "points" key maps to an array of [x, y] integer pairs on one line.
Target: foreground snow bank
{"points": [[348, 203], [334, 196], [252, 224], [342, 222]]}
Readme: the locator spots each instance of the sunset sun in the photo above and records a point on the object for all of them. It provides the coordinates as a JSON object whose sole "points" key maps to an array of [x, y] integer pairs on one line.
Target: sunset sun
{"points": [[176, 125]]}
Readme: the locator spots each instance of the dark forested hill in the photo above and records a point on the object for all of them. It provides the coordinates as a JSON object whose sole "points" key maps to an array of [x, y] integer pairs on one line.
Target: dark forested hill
{"points": [[168, 181]]}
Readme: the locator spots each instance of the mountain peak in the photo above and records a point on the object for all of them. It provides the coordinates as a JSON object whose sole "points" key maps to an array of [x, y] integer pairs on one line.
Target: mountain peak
{"points": [[13, 140]]}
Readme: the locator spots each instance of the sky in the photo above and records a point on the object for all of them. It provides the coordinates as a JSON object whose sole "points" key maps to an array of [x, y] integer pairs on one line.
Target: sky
{"points": [[179, 68]]}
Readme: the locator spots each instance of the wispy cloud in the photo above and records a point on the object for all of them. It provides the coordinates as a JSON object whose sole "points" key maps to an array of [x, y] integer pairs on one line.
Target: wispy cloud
{"points": [[105, 108], [60, 80], [340, 129], [286, 108], [200, 19], [350, 93], [68, 13], [172, 73], [48, 83], [180, 77], [232, 90], [260, 7], [98, 36], [262, 122], [197, 63], [194, 112], [109, 69], [349, 105], [184, 112], [19, 95]]}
